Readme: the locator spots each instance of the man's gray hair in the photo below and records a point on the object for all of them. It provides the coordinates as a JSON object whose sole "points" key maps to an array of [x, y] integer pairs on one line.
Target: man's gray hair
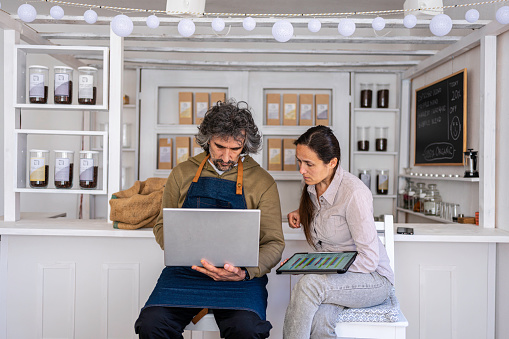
{"points": [[230, 119]]}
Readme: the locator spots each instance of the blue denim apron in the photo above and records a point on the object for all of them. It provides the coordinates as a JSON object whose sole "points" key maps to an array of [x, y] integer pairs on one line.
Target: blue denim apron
{"points": [[184, 287]]}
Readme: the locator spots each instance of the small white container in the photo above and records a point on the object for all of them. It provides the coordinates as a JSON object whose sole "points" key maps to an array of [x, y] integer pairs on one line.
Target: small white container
{"points": [[38, 84]]}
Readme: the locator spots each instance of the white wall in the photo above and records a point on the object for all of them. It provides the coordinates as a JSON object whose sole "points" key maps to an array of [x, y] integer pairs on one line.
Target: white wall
{"points": [[502, 139], [466, 194], [1, 123]]}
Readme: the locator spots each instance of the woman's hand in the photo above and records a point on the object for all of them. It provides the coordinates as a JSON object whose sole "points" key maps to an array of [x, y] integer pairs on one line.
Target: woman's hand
{"points": [[294, 219]]}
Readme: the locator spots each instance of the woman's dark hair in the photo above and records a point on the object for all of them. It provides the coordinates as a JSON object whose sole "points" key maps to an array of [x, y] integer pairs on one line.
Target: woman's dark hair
{"points": [[322, 141], [230, 119]]}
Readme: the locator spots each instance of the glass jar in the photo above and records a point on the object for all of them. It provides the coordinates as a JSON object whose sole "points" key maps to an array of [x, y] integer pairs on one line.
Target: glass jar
{"points": [[89, 169], [432, 201], [401, 198], [420, 194], [366, 95], [382, 181], [38, 84], [365, 176], [63, 84], [39, 168], [64, 165], [382, 96], [381, 134], [87, 85], [409, 196], [362, 138]]}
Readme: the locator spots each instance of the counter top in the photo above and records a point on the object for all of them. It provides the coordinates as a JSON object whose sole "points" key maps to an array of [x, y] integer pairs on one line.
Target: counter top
{"points": [[101, 228]]}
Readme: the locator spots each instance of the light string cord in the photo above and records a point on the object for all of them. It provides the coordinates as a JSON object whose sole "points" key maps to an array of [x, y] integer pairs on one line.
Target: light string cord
{"points": [[395, 11]]}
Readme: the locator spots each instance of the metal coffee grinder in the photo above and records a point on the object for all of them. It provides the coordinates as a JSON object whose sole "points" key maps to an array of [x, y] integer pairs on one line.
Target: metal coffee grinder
{"points": [[471, 164]]}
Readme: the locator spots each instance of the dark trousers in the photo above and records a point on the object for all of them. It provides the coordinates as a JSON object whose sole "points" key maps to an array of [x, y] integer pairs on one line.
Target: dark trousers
{"points": [[157, 322]]}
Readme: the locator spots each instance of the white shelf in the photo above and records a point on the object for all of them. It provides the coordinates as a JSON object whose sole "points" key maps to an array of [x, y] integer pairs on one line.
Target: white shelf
{"points": [[61, 132], [284, 130], [384, 196], [61, 107], [439, 178], [444, 221], [129, 106], [375, 153], [377, 110], [62, 190], [177, 129], [289, 175]]}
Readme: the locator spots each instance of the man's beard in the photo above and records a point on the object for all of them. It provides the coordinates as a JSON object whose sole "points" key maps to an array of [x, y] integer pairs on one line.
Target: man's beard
{"points": [[222, 166]]}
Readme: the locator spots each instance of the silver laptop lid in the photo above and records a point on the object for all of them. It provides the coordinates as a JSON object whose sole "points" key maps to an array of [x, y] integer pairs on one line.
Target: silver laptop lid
{"points": [[219, 236]]}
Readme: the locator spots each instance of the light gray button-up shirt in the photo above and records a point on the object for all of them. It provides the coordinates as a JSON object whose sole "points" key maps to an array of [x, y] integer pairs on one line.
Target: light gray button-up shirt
{"points": [[343, 221]]}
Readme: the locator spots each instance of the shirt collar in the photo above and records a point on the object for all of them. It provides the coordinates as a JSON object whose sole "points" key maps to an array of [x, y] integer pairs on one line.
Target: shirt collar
{"points": [[330, 193]]}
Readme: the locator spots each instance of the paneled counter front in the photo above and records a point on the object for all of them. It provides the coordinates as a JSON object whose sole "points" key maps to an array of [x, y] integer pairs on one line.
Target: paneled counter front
{"points": [[70, 278]]}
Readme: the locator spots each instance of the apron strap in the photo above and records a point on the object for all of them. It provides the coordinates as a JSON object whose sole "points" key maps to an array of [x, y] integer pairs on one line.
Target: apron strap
{"points": [[240, 173], [198, 172]]}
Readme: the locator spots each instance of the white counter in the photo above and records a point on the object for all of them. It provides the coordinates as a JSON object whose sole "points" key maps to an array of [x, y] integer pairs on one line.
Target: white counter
{"points": [[100, 228]]}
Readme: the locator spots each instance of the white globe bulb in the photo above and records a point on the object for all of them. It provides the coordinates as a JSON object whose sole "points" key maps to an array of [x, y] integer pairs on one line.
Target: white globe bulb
{"points": [[27, 13], [218, 24], [90, 16], [249, 23], [152, 21], [282, 30], [410, 21], [186, 27], [502, 15], [122, 25], [378, 24], [346, 27], [314, 25], [56, 12], [472, 15], [440, 25]]}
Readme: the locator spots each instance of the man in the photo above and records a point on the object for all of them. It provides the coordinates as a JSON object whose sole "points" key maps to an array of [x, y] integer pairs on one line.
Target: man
{"points": [[224, 176]]}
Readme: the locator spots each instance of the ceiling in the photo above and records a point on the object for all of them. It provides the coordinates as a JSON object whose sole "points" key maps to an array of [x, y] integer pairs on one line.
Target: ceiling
{"points": [[395, 48]]}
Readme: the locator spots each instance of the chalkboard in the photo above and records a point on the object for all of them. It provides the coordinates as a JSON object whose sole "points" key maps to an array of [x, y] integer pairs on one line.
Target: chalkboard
{"points": [[441, 121]]}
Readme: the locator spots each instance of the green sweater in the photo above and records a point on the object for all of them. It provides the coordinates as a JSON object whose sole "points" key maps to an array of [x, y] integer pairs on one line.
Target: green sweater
{"points": [[260, 191]]}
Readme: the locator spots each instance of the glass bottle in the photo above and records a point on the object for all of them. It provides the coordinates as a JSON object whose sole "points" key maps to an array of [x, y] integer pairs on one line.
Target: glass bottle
{"points": [[366, 95], [365, 176], [89, 169], [420, 194], [87, 85], [38, 84], [382, 181], [362, 138], [432, 200], [382, 96], [39, 168], [64, 165], [63, 84], [381, 134]]}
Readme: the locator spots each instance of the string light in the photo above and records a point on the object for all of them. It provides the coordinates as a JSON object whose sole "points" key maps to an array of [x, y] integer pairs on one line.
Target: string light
{"points": [[472, 15], [378, 23], [314, 25], [282, 30], [186, 27], [339, 14], [27, 12], [410, 21], [56, 12], [90, 16], [153, 21], [122, 25], [217, 24], [440, 25]]}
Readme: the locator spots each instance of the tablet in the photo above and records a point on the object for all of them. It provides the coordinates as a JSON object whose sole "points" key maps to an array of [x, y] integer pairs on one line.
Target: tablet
{"points": [[318, 262]]}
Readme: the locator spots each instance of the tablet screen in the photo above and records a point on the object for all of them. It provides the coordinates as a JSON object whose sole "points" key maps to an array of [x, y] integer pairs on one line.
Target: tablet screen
{"points": [[318, 262]]}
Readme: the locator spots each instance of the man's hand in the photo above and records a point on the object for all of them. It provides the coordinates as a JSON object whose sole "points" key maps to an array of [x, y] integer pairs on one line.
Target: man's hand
{"points": [[294, 219], [228, 273]]}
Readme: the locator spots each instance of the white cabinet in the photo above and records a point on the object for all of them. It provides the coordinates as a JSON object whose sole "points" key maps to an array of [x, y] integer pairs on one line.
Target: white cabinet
{"points": [[377, 153], [47, 126]]}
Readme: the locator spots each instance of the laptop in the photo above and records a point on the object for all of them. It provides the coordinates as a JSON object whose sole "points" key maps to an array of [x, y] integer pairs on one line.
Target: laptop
{"points": [[219, 236]]}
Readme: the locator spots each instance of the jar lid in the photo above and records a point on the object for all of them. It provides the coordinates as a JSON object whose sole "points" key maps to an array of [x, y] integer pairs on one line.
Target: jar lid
{"points": [[63, 67], [383, 170], [39, 150], [470, 152], [89, 152], [38, 66], [364, 170], [87, 68], [63, 151]]}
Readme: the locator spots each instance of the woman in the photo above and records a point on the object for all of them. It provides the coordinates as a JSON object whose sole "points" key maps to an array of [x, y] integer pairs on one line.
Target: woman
{"points": [[336, 213]]}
